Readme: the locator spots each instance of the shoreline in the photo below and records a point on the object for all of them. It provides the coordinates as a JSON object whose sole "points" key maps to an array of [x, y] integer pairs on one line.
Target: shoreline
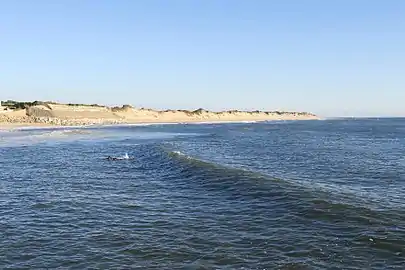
{"points": [[9, 126], [43, 115], [5, 126]]}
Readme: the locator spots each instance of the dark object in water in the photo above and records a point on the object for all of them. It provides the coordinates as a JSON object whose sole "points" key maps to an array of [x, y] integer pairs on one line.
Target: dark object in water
{"points": [[126, 157]]}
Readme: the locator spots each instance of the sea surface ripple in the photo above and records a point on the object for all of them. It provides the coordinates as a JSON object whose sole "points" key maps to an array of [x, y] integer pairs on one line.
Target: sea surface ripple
{"points": [[277, 195]]}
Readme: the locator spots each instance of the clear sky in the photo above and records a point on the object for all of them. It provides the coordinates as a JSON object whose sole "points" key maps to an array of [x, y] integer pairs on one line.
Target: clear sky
{"points": [[333, 58]]}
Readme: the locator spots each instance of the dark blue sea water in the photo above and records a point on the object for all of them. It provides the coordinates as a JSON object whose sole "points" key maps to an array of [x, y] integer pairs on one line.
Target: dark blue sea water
{"points": [[280, 195]]}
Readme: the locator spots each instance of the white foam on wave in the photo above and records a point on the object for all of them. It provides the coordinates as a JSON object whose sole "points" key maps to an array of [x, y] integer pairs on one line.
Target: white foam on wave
{"points": [[222, 122], [25, 128], [135, 124], [156, 135], [33, 136], [181, 154], [179, 123], [61, 133]]}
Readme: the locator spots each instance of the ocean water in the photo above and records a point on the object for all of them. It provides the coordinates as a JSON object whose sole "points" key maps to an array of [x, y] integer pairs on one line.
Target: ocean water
{"points": [[278, 195]]}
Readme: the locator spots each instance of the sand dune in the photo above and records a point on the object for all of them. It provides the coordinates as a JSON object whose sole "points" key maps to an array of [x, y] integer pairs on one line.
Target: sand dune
{"points": [[58, 114]]}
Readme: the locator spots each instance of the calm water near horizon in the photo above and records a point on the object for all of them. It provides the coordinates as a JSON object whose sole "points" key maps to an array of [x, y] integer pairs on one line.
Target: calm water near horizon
{"points": [[278, 195]]}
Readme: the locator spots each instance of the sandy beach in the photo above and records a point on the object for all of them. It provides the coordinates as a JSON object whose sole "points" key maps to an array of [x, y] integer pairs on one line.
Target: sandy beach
{"points": [[67, 115]]}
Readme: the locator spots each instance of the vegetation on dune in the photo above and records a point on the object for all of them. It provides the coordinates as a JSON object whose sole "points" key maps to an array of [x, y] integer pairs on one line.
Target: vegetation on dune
{"points": [[15, 105], [120, 109], [12, 104], [198, 111], [187, 112], [83, 105]]}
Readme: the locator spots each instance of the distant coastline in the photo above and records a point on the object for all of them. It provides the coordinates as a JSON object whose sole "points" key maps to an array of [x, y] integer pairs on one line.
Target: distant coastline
{"points": [[47, 113]]}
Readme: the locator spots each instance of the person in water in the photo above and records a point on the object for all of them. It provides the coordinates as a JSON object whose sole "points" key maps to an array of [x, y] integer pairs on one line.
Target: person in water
{"points": [[119, 158]]}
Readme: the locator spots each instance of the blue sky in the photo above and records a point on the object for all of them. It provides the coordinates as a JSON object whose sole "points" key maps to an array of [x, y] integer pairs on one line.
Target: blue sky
{"points": [[333, 58]]}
